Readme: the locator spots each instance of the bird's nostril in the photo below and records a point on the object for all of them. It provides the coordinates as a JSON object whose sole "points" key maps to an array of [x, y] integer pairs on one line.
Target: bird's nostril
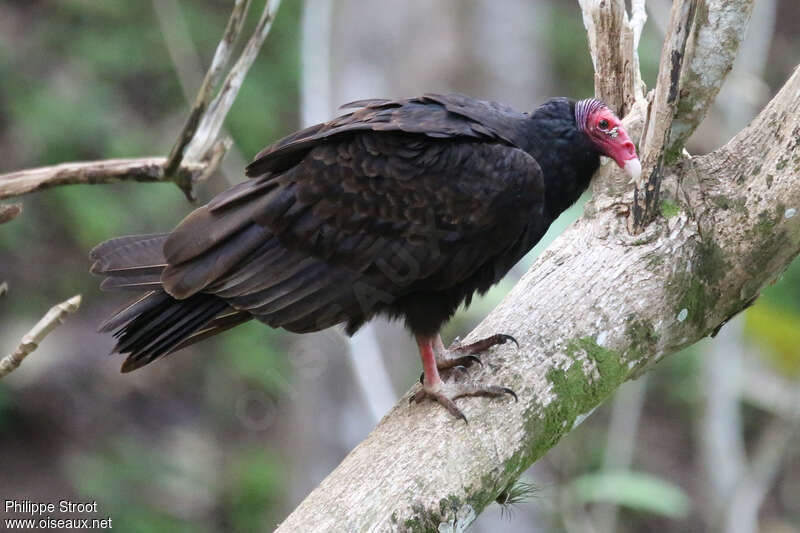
{"points": [[629, 147]]}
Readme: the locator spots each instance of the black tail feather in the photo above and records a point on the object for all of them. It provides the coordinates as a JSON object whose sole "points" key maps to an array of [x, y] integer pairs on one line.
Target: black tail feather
{"points": [[156, 324], [161, 325], [132, 309], [220, 323]]}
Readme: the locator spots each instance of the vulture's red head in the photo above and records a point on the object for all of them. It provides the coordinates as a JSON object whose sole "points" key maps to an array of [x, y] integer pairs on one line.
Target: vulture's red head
{"points": [[607, 134]]}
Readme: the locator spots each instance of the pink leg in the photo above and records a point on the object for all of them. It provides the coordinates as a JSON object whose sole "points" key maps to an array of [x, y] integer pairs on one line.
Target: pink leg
{"points": [[428, 355]]}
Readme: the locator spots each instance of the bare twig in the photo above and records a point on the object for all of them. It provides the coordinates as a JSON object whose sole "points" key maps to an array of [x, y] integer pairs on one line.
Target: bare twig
{"points": [[186, 60], [745, 91], [701, 43], [210, 122], [220, 61], [90, 172], [9, 212], [31, 340], [613, 45]]}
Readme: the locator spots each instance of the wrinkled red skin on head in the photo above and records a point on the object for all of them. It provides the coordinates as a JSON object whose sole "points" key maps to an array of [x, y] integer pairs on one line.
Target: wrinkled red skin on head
{"points": [[610, 137]]}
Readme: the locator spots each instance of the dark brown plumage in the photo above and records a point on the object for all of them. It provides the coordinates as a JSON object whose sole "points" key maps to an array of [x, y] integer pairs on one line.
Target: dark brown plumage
{"points": [[403, 207]]}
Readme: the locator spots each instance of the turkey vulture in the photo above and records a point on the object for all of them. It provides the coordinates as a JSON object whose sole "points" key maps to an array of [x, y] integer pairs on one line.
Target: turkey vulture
{"points": [[404, 208]]}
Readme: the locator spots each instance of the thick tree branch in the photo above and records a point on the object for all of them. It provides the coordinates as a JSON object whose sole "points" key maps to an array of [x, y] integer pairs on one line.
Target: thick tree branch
{"points": [[31, 340], [710, 52], [597, 308], [702, 39], [613, 43], [663, 108]]}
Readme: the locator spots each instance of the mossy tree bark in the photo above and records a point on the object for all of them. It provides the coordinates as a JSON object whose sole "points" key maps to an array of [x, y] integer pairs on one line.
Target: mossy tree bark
{"points": [[599, 307]]}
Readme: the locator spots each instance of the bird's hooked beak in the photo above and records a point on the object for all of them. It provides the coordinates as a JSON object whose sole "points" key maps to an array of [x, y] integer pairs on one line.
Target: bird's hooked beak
{"points": [[633, 168]]}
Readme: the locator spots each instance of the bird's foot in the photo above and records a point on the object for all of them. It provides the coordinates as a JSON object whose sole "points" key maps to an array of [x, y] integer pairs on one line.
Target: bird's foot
{"points": [[453, 363], [445, 393], [450, 361]]}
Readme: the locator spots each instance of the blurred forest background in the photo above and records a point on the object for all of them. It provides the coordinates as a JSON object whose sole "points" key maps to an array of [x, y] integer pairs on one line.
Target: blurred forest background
{"points": [[232, 433]]}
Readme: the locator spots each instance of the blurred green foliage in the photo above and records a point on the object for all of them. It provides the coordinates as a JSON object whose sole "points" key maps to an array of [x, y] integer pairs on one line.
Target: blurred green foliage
{"points": [[93, 80], [255, 477], [634, 490], [777, 332]]}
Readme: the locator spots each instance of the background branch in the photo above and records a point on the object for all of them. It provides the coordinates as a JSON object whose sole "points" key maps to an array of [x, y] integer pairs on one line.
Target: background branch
{"points": [[31, 340], [722, 446], [626, 410], [147, 169], [187, 63], [9, 212], [220, 61], [210, 123], [196, 154], [755, 482]]}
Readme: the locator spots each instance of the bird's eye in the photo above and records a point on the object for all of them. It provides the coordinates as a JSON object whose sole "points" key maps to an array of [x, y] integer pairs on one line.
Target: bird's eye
{"points": [[603, 124]]}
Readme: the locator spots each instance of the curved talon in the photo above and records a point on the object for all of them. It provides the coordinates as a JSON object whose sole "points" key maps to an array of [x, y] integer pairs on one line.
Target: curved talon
{"points": [[507, 338], [512, 393], [462, 360], [456, 373], [442, 400], [473, 358]]}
